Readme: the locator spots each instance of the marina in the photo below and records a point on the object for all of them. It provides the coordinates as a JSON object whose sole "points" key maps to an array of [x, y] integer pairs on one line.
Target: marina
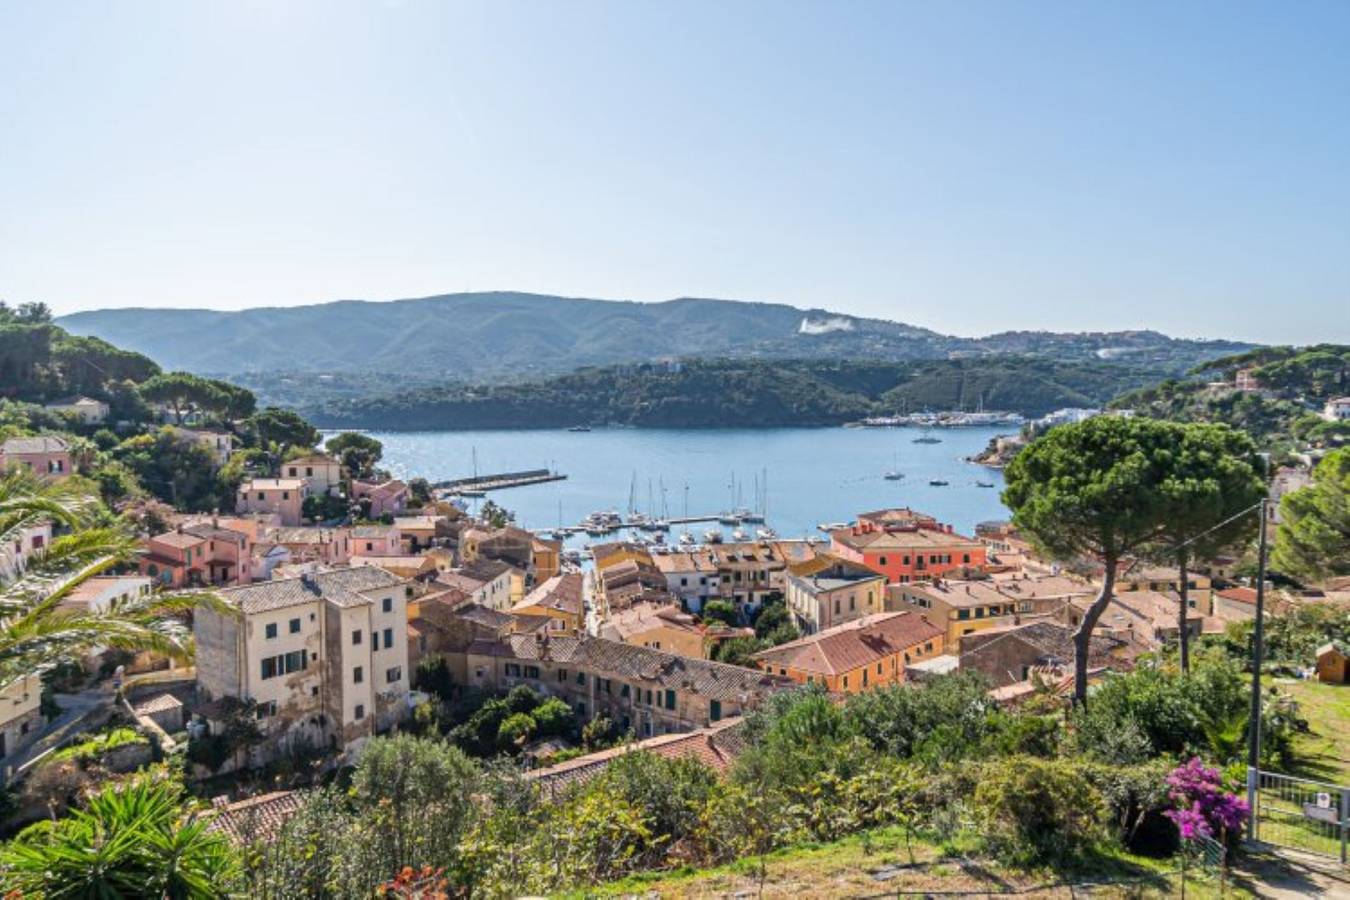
{"points": [[815, 476]]}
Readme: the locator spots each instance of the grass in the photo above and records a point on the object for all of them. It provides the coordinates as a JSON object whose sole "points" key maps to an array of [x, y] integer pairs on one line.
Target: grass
{"points": [[1324, 753], [101, 743], [877, 863]]}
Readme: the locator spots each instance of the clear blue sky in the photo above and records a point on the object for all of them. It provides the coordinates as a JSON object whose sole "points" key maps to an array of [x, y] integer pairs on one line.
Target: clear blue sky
{"points": [[968, 166]]}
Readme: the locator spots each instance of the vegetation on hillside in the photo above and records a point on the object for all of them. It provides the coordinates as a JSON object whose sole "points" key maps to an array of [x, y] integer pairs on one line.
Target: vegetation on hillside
{"points": [[1295, 383], [725, 393]]}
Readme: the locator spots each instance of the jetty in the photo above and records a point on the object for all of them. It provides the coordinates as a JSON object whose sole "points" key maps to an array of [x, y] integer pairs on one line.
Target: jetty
{"points": [[478, 484]]}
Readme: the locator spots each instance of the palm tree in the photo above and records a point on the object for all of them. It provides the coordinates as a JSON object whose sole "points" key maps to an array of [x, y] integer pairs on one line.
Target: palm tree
{"points": [[36, 631], [142, 838]]}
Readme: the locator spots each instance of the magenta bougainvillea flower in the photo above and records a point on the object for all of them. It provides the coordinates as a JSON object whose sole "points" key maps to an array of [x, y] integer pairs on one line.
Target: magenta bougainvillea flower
{"points": [[1203, 807]]}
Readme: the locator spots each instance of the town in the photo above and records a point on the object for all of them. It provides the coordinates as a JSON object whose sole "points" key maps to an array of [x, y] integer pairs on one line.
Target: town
{"points": [[324, 606]]}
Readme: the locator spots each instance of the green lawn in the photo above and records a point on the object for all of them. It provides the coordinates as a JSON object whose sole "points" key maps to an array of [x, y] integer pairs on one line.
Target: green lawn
{"points": [[1324, 754], [877, 863]]}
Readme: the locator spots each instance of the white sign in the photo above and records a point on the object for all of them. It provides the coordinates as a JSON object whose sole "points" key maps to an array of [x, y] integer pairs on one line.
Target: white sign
{"points": [[1324, 800]]}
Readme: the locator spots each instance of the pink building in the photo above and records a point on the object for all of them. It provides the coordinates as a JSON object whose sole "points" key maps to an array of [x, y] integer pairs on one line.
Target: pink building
{"points": [[283, 496], [387, 498], [44, 455], [200, 554]]}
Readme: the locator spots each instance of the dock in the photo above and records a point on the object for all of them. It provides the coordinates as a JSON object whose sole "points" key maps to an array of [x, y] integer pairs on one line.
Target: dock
{"points": [[496, 482]]}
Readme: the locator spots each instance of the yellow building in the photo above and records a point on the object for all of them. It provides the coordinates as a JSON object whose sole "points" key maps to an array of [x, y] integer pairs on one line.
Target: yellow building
{"points": [[858, 655]]}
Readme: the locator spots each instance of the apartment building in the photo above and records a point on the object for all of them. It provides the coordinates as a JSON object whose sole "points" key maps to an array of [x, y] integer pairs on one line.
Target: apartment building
{"points": [[285, 497], [859, 655], [322, 658], [907, 546], [827, 591]]}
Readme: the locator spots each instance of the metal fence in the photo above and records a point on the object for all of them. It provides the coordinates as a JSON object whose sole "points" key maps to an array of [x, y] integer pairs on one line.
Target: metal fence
{"points": [[1311, 816]]}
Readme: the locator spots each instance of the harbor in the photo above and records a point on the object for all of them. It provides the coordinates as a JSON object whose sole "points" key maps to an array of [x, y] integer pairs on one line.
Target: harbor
{"points": [[478, 485]]}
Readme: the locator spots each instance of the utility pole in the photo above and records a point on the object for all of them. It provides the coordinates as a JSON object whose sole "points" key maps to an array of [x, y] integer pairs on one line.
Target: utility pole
{"points": [[1254, 723]]}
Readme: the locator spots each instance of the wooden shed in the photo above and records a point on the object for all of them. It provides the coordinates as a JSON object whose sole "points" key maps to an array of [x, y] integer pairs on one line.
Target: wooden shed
{"points": [[1333, 663]]}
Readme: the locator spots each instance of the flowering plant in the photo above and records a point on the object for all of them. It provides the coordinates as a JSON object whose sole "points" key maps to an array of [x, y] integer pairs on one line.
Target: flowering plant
{"points": [[1203, 807]]}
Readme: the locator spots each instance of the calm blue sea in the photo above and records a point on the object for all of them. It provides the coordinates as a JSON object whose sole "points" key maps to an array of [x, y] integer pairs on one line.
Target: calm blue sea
{"points": [[813, 475]]}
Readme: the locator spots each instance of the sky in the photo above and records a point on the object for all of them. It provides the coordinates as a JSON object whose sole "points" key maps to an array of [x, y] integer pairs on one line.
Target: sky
{"points": [[965, 166]]}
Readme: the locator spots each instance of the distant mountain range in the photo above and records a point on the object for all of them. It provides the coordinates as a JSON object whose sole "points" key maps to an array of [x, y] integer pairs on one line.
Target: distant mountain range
{"points": [[490, 337]]}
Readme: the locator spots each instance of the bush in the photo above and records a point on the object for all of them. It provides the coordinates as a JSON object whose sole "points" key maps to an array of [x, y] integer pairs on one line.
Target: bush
{"points": [[1034, 811]]}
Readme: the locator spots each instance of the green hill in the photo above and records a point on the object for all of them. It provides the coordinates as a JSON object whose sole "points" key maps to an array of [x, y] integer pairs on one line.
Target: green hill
{"points": [[739, 393]]}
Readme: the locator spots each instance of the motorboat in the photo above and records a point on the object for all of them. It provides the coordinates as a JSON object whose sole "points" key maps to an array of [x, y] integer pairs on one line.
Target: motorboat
{"points": [[728, 518], [739, 535], [984, 484], [894, 476], [938, 482], [686, 539], [580, 428], [766, 534], [712, 536]]}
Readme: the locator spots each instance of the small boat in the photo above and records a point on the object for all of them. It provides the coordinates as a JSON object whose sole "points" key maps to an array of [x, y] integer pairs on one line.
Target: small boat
{"points": [[766, 534], [984, 484], [468, 492], [686, 539], [728, 518], [832, 526], [894, 476], [938, 482], [712, 536], [739, 534], [927, 439], [580, 428]]}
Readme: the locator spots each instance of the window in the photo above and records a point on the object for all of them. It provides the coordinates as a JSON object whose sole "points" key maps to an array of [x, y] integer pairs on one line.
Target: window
{"points": [[670, 699], [965, 557], [374, 640], [394, 674], [684, 582], [295, 626], [649, 697], [581, 678], [263, 710], [963, 614], [531, 671], [878, 668], [623, 691], [269, 667], [513, 670], [270, 631], [358, 675], [836, 606], [356, 637], [852, 603], [294, 661], [293, 471], [581, 708], [845, 682], [864, 684], [285, 495], [905, 560], [314, 691], [714, 709], [388, 638], [979, 612], [360, 712], [388, 604], [309, 470], [562, 674], [261, 495]]}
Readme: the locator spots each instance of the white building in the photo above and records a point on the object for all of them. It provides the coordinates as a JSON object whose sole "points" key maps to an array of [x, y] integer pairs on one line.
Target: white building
{"points": [[99, 593], [690, 576], [220, 444], [1337, 410], [324, 657], [20, 715], [86, 409], [15, 554], [322, 473]]}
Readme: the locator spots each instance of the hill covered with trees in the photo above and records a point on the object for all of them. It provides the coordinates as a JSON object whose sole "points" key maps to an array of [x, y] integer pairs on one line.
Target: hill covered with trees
{"points": [[504, 335], [740, 393], [1295, 383]]}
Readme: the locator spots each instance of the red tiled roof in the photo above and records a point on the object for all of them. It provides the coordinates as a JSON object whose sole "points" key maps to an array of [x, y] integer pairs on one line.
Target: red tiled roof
{"points": [[257, 818], [844, 648], [1239, 594]]}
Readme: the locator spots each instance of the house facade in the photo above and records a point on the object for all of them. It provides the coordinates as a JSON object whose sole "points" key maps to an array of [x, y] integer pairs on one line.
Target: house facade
{"points": [[86, 410], [322, 474], [321, 659], [20, 715], [857, 656], [283, 497], [829, 591], [907, 547], [646, 691], [45, 455]]}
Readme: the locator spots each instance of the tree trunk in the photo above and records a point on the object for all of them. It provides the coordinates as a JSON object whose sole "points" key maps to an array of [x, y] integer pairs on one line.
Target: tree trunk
{"points": [[1183, 635], [1082, 639]]}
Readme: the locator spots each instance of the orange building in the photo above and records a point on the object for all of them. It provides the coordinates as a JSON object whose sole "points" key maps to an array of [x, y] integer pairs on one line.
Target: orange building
{"points": [[907, 546], [859, 655]]}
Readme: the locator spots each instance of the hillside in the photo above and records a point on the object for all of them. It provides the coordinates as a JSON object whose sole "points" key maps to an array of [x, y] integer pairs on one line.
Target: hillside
{"points": [[1295, 382], [491, 336], [730, 393]]}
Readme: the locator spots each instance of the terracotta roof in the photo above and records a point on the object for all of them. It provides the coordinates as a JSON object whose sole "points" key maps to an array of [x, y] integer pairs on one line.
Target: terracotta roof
{"points": [[850, 646], [919, 539], [315, 459], [716, 746], [1239, 594], [342, 587], [303, 535], [479, 614], [179, 539], [257, 818], [158, 703], [644, 617], [43, 443], [717, 681], [369, 532], [273, 484], [561, 593]]}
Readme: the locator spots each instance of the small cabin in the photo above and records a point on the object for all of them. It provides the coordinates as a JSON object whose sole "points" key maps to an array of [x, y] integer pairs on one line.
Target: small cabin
{"points": [[1333, 663]]}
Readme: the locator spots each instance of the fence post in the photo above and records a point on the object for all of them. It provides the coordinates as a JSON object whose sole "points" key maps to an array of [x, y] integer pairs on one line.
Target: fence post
{"points": [[1251, 803], [1345, 821]]}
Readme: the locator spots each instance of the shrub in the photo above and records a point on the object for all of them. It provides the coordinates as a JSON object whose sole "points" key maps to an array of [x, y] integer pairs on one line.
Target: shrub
{"points": [[1033, 811]]}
